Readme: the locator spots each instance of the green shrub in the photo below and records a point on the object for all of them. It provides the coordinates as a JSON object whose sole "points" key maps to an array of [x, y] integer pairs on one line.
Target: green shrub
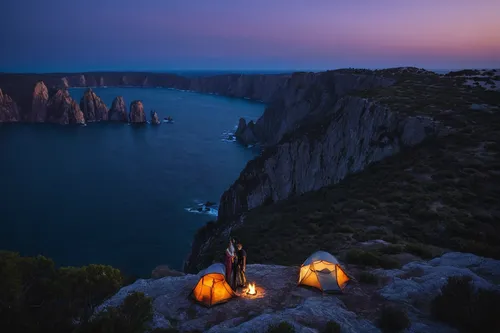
{"points": [[130, 317], [332, 327], [389, 263], [461, 306], [282, 327], [393, 319], [391, 249], [360, 257], [37, 297], [367, 277], [419, 250]]}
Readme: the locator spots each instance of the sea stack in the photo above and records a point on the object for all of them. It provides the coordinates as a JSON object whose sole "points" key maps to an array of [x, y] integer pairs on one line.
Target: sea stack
{"points": [[244, 133], [93, 107], [118, 111], [137, 115], [62, 109], [154, 118], [39, 103], [9, 112]]}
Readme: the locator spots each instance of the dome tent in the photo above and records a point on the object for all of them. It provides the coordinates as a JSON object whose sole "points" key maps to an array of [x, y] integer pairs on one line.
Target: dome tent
{"points": [[212, 287], [322, 270]]}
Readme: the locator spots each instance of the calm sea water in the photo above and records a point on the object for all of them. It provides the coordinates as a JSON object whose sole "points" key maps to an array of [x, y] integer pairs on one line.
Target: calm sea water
{"points": [[117, 194]]}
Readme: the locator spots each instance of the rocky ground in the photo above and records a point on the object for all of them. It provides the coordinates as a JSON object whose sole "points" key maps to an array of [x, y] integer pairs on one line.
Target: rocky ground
{"points": [[411, 287]]}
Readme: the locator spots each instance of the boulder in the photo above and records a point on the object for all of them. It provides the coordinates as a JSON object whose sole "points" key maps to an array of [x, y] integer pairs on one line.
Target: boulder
{"points": [[137, 115], [93, 107], [154, 118], [39, 103], [118, 111], [9, 112]]}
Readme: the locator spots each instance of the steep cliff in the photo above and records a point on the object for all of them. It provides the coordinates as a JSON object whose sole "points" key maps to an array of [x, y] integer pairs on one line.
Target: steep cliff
{"points": [[62, 109], [118, 111], [256, 87], [306, 95], [355, 133], [39, 104], [321, 180], [93, 107], [137, 114], [8, 109]]}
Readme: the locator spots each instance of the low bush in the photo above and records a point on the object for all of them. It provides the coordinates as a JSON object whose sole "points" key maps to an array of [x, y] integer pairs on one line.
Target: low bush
{"points": [[367, 277], [393, 319], [420, 250], [391, 249], [331, 327], [282, 327], [465, 308], [360, 257], [365, 258], [130, 317]]}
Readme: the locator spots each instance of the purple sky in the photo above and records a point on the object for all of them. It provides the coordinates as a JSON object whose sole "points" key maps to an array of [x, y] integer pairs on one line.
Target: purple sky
{"points": [[76, 35]]}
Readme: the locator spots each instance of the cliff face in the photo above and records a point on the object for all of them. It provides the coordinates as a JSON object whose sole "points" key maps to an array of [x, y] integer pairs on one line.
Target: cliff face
{"points": [[118, 111], [9, 111], [39, 104], [256, 87], [137, 114], [93, 107], [62, 109], [307, 95], [355, 133]]}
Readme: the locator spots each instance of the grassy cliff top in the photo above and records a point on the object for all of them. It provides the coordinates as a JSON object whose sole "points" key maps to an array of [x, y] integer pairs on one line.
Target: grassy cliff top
{"points": [[444, 192]]}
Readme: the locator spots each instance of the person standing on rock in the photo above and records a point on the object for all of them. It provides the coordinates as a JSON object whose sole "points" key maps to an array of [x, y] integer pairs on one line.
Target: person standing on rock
{"points": [[241, 265], [230, 253]]}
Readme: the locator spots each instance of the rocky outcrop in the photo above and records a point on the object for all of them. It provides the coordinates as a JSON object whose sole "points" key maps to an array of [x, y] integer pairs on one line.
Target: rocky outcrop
{"points": [[9, 111], [137, 114], [39, 104], [118, 111], [93, 107], [309, 95], [352, 134], [411, 288], [154, 118], [62, 109], [244, 133]]}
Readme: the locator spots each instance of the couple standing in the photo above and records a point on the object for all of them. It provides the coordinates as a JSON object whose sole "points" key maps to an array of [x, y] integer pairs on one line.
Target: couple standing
{"points": [[236, 264]]}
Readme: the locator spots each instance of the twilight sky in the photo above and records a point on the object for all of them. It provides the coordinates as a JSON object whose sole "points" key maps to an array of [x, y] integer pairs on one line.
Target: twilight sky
{"points": [[80, 35]]}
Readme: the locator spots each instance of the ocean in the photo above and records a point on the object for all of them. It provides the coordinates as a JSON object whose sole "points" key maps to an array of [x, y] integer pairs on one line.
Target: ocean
{"points": [[118, 194]]}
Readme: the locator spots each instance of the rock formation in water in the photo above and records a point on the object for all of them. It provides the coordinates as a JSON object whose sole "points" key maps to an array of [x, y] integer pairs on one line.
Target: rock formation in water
{"points": [[245, 132], [9, 111], [137, 114], [118, 111], [93, 107], [39, 104], [62, 109], [154, 118]]}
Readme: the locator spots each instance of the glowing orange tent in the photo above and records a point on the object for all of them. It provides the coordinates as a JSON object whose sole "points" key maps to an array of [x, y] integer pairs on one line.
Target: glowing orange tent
{"points": [[212, 287], [322, 270]]}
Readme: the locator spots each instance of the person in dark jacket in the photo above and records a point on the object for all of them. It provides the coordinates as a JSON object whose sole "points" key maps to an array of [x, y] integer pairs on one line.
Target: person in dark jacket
{"points": [[240, 279]]}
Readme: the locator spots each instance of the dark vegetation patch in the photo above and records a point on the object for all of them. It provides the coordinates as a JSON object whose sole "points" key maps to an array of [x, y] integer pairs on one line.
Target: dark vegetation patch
{"points": [[35, 296], [393, 319], [331, 327], [469, 310], [282, 327]]}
